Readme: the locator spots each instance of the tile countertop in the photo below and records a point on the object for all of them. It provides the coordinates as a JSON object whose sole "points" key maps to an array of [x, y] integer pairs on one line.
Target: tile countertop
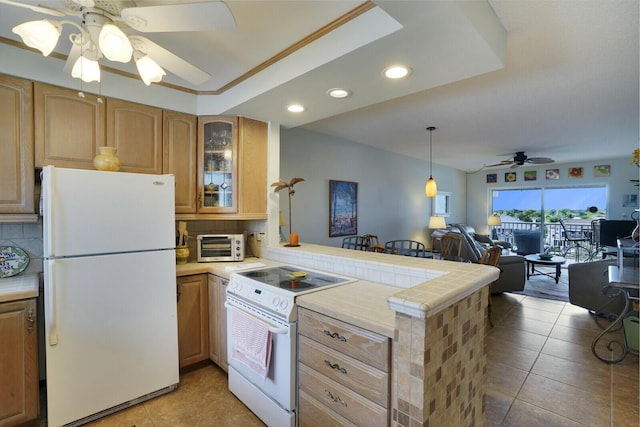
{"points": [[219, 268], [424, 287], [19, 287]]}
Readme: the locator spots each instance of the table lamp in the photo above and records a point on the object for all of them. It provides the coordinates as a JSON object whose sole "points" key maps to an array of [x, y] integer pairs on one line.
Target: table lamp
{"points": [[494, 221], [436, 221]]}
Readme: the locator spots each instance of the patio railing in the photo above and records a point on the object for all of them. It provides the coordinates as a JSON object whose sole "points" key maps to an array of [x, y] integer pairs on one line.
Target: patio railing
{"points": [[554, 238]]}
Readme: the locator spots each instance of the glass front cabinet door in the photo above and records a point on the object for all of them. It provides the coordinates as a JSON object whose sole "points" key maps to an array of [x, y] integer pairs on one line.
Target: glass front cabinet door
{"points": [[218, 165]]}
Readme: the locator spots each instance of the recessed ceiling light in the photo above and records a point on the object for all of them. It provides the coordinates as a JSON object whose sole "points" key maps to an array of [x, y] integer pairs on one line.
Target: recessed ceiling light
{"points": [[338, 93], [396, 72], [295, 108]]}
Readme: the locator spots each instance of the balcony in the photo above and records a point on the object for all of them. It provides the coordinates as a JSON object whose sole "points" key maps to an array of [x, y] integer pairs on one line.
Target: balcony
{"points": [[555, 241]]}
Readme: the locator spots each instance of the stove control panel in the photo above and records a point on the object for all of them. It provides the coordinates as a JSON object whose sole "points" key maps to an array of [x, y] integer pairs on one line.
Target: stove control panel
{"points": [[262, 297]]}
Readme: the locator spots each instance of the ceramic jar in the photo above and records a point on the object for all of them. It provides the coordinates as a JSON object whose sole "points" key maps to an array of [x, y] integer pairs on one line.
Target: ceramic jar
{"points": [[182, 254], [106, 159]]}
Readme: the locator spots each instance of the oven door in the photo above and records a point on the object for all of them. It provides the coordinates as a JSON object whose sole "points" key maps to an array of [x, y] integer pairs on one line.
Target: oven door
{"points": [[281, 380]]}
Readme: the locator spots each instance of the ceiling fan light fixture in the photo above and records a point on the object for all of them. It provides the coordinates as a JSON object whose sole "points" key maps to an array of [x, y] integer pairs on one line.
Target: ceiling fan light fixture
{"points": [[115, 44], [431, 188], [86, 69], [149, 70], [42, 35]]}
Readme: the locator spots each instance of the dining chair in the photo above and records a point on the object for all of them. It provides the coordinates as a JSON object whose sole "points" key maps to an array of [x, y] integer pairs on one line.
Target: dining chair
{"points": [[372, 244], [451, 247], [406, 247], [491, 256], [354, 242]]}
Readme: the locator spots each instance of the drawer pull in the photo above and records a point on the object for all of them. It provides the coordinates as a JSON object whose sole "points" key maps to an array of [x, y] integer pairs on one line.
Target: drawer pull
{"points": [[335, 335], [335, 398], [335, 366], [30, 320]]}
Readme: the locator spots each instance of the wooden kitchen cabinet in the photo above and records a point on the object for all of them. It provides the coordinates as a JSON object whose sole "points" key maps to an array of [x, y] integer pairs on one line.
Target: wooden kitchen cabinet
{"points": [[16, 148], [179, 157], [193, 319], [218, 321], [231, 177], [344, 373], [135, 130], [68, 128], [19, 387]]}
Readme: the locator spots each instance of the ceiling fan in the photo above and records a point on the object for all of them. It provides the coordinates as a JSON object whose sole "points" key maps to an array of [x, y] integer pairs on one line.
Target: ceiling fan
{"points": [[520, 159], [105, 30]]}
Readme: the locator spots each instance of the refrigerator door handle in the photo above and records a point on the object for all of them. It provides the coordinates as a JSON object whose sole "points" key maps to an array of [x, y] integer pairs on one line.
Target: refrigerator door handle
{"points": [[51, 305], [47, 202]]}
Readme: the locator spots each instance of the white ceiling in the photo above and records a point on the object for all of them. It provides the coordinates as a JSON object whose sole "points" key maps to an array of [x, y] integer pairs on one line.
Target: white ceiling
{"points": [[554, 78]]}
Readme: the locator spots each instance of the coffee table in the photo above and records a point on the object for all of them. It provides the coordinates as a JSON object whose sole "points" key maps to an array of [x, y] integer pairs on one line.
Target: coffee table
{"points": [[534, 259]]}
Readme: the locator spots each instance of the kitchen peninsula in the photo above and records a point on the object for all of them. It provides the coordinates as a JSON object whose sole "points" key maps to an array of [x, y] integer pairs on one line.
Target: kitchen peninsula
{"points": [[433, 311]]}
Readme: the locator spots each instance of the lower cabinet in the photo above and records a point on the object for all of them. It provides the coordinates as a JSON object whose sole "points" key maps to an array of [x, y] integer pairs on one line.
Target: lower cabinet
{"points": [[218, 321], [193, 319], [19, 387], [344, 373]]}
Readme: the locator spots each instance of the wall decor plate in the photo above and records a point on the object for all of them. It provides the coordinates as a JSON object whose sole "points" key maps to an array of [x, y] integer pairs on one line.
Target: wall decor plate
{"points": [[13, 261]]}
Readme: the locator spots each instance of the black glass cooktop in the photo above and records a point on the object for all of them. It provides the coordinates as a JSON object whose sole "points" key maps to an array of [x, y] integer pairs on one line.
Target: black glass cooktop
{"points": [[294, 279]]}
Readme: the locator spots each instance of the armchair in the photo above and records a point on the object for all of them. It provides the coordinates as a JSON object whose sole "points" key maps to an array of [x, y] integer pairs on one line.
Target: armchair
{"points": [[512, 267], [526, 241], [586, 281]]}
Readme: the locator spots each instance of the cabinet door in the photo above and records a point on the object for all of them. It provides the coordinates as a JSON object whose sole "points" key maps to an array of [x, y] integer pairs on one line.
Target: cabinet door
{"points": [[217, 165], [193, 326], [68, 128], [16, 146], [218, 321], [179, 151], [252, 184], [135, 131], [19, 368]]}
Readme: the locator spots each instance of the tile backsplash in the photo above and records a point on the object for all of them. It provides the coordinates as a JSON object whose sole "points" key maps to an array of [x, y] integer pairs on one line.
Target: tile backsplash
{"points": [[27, 236]]}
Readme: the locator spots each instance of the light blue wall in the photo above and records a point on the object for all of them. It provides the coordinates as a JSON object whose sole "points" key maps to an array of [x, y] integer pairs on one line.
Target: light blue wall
{"points": [[391, 200], [618, 184]]}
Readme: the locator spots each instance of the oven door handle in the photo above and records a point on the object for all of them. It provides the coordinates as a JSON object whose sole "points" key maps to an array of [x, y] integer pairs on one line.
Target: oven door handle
{"points": [[272, 329]]}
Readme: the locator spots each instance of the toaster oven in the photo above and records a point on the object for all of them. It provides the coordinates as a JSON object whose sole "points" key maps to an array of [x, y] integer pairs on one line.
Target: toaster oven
{"points": [[220, 247]]}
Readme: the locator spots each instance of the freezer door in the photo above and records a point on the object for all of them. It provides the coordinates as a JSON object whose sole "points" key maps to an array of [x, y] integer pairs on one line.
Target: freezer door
{"points": [[96, 212], [110, 329]]}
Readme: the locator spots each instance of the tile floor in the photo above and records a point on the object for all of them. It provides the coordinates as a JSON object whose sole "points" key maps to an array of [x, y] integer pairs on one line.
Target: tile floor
{"points": [[540, 372]]}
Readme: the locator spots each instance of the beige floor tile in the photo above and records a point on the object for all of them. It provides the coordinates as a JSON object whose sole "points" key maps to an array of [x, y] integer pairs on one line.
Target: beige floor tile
{"points": [[496, 406], [523, 339], [592, 377], [544, 304], [510, 354], [565, 400], [516, 320], [575, 335], [504, 379], [523, 414]]}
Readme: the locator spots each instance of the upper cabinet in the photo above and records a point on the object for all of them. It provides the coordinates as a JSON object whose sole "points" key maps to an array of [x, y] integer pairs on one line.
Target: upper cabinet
{"points": [[179, 151], [135, 130], [231, 171], [16, 148], [218, 165], [70, 128]]}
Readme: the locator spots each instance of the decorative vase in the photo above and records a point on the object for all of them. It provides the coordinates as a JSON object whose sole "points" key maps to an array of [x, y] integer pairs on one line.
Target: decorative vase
{"points": [[106, 159], [182, 254]]}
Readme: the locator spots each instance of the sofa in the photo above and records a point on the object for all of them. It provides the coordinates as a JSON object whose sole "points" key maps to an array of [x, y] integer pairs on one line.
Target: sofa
{"points": [[512, 267]]}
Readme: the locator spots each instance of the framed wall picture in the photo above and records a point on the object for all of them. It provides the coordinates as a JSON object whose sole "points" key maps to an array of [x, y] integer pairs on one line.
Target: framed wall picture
{"points": [[492, 178], [343, 208], [530, 175], [602, 170], [442, 204]]}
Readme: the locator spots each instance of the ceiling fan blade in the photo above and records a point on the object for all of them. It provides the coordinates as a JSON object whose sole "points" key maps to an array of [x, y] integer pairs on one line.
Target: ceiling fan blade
{"points": [[74, 54], [180, 17], [170, 61], [502, 163], [38, 8], [515, 165], [539, 160]]}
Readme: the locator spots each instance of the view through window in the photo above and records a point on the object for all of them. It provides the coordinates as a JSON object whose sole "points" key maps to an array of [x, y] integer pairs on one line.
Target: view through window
{"points": [[542, 209]]}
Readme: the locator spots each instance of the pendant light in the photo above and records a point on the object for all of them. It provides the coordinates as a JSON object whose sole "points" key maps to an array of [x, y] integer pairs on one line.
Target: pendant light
{"points": [[431, 188]]}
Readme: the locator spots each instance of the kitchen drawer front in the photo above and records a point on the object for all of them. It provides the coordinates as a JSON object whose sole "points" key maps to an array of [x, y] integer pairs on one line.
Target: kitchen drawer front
{"points": [[369, 382], [312, 413], [341, 400], [367, 346]]}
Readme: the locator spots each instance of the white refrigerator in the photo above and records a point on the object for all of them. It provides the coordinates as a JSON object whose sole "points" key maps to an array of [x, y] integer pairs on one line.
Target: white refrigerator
{"points": [[110, 291]]}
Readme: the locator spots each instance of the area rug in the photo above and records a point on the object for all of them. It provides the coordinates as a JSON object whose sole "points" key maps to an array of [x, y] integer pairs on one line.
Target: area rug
{"points": [[546, 287]]}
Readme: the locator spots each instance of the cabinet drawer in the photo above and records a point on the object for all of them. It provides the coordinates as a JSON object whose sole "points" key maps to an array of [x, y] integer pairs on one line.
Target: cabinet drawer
{"points": [[366, 346], [363, 379], [340, 399], [313, 413]]}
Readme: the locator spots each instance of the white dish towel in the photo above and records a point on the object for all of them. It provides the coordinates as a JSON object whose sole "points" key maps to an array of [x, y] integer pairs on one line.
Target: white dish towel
{"points": [[251, 343]]}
